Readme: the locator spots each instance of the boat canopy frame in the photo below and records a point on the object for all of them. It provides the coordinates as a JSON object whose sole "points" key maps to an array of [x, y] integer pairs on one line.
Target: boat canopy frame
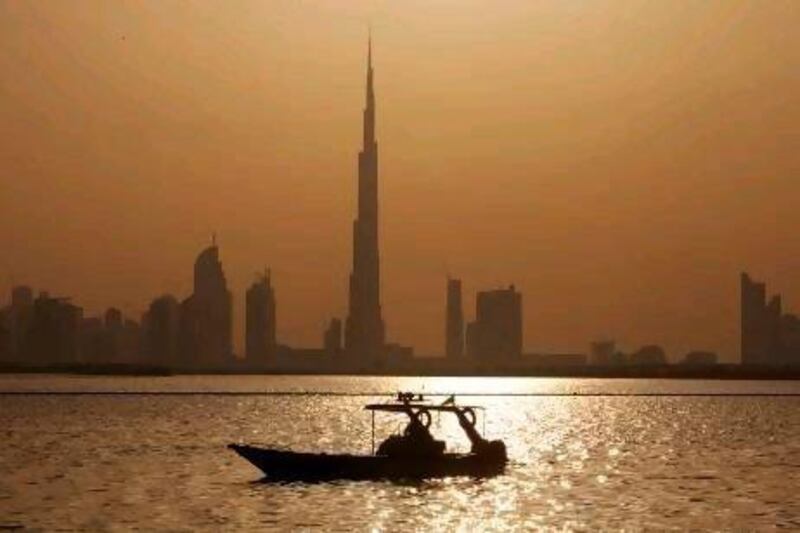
{"points": [[404, 405]]}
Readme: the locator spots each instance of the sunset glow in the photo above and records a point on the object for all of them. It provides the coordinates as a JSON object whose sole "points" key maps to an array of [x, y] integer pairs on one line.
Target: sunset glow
{"points": [[620, 161]]}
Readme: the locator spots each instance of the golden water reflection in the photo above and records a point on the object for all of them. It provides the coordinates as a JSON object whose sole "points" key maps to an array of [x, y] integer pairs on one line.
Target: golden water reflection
{"points": [[577, 462]]}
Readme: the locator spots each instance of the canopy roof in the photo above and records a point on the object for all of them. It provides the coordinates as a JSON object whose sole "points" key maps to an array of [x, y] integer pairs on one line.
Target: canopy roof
{"points": [[402, 407]]}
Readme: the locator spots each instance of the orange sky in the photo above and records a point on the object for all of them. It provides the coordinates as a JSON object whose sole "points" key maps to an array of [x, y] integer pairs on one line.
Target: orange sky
{"points": [[619, 160]]}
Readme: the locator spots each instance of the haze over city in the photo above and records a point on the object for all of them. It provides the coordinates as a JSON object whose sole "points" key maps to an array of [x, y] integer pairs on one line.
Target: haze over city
{"points": [[619, 162]]}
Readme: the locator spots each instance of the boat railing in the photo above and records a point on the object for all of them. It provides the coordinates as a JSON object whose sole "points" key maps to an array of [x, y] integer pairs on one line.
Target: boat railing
{"points": [[415, 405]]}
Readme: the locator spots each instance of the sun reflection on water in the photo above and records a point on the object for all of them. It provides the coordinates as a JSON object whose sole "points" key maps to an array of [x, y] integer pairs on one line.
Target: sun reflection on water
{"points": [[576, 462]]}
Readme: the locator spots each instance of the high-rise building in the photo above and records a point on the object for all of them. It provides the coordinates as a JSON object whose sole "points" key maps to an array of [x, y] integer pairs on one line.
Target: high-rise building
{"points": [[113, 319], [5, 337], [260, 337], [54, 333], [332, 341], [364, 328], [602, 352], [757, 339], [206, 321], [17, 319], [92, 342], [496, 333], [160, 331], [110, 339], [768, 337], [454, 327]]}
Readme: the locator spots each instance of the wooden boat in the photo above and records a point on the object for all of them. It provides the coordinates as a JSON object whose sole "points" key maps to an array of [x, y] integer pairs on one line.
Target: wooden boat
{"points": [[282, 465], [412, 455]]}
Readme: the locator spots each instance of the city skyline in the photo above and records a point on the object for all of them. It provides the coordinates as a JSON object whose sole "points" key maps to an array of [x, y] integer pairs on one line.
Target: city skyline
{"points": [[375, 265], [590, 261], [199, 331]]}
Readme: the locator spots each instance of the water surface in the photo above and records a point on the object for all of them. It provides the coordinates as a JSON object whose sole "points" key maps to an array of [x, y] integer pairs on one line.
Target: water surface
{"points": [[716, 454]]}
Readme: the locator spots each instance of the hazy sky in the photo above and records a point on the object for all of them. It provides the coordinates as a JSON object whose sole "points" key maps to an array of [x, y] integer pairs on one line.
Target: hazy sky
{"points": [[620, 161]]}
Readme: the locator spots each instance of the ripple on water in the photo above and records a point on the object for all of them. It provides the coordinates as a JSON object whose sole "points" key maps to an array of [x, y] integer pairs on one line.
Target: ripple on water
{"points": [[159, 462]]}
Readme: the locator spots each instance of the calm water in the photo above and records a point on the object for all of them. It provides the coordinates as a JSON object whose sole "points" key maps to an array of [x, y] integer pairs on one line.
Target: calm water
{"points": [[580, 459]]}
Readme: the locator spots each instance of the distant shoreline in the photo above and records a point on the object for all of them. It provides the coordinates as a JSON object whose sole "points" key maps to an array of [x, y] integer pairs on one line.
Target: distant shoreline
{"points": [[715, 372]]}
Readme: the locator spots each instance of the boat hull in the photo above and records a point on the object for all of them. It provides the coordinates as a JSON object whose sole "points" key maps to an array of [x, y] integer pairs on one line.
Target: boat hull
{"points": [[281, 465]]}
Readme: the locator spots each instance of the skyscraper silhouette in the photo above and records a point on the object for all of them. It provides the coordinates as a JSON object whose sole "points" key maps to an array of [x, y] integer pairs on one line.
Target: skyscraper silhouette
{"points": [[18, 317], [364, 329], [454, 328], [496, 333], [260, 339], [768, 335], [54, 332], [206, 316], [332, 339], [160, 328]]}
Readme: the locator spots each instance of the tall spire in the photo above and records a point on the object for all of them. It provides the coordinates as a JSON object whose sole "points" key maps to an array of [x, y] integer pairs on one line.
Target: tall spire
{"points": [[369, 109], [364, 330]]}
